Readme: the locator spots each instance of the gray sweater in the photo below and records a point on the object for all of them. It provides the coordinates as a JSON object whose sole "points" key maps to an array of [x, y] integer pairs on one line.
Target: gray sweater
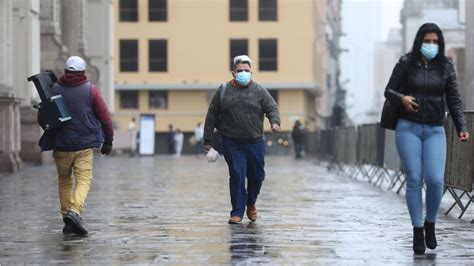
{"points": [[241, 113]]}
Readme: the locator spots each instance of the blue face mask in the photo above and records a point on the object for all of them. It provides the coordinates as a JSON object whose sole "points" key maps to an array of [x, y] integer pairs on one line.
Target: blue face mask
{"points": [[429, 50], [243, 78]]}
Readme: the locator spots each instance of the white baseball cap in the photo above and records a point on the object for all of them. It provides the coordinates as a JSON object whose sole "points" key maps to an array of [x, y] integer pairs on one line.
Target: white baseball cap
{"points": [[75, 63], [242, 58]]}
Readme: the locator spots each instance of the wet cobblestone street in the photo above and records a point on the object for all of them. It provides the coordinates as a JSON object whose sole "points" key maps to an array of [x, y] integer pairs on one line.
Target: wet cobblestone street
{"points": [[157, 210]]}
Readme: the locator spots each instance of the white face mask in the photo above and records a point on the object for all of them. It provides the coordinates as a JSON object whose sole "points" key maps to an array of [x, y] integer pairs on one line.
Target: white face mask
{"points": [[243, 78], [429, 50]]}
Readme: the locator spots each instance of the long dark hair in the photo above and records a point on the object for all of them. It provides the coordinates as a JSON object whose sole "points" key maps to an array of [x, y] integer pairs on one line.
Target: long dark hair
{"points": [[422, 31]]}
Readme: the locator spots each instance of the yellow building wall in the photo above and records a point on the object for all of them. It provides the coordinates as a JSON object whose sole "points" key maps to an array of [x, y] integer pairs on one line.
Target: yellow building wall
{"points": [[198, 34], [319, 42], [292, 107], [187, 108]]}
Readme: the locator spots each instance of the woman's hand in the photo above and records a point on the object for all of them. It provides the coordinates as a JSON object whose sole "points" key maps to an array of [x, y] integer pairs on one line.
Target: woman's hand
{"points": [[410, 104], [463, 136]]}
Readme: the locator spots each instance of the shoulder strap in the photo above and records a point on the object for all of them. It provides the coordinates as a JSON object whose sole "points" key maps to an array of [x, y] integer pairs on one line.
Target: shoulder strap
{"points": [[223, 88], [221, 96]]}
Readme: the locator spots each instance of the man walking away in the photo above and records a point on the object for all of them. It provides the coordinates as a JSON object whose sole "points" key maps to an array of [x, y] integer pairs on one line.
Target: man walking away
{"points": [[73, 142]]}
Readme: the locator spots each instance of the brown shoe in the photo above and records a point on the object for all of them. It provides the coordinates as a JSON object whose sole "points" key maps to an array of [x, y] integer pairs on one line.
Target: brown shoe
{"points": [[235, 220], [252, 213]]}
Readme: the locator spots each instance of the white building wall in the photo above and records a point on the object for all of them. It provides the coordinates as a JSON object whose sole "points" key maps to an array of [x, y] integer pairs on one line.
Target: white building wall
{"points": [[9, 106], [385, 58], [26, 48], [5, 43], [99, 37], [469, 70]]}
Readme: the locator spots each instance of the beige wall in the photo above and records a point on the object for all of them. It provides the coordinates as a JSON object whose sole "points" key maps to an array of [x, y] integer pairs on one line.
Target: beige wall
{"points": [[187, 108], [198, 34], [292, 106], [319, 42]]}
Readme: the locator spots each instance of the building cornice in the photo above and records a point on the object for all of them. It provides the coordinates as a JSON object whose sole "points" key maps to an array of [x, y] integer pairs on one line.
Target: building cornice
{"points": [[310, 86], [166, 113]]}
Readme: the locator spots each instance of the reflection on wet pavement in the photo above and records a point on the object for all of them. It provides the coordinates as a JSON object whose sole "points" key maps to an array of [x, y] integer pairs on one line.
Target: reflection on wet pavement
{"points": [[155, 210]]}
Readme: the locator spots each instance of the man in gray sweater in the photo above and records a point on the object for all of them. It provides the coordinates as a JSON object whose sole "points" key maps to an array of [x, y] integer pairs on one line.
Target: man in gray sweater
{"points": [[237, 110]]}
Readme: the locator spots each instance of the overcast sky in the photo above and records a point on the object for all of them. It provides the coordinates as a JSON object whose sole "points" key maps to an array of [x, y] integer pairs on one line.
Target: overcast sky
{"points": [[364, 22]]}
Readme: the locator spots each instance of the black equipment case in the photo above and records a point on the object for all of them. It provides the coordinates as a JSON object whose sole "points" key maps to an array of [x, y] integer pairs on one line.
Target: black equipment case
{"points": [[53, 110]]}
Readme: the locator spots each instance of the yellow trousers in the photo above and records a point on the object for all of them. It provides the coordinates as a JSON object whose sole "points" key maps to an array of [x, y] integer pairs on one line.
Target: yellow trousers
{"points": [[72, 195]]}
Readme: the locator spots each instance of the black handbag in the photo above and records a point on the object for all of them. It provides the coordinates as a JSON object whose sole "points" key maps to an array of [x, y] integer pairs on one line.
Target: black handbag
{"points": [[390, 115], [391, 111]]}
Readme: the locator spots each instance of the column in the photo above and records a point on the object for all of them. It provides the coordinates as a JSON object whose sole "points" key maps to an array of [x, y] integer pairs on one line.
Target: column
{"points": [[26, 49], [9, 120]]}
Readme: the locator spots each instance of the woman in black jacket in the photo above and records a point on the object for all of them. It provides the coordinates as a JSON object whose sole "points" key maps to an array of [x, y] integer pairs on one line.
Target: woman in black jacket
{"points": [[420, 83]]}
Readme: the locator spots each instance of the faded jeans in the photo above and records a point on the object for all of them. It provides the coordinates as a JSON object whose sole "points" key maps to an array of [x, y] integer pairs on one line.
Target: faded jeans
{"points": [[422, 149]]}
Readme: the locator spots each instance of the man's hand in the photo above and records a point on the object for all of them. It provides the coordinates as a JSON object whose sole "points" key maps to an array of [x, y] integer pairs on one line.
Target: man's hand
{"points": [[106, 148], [463, 136], [275, 127], [207, 147]]}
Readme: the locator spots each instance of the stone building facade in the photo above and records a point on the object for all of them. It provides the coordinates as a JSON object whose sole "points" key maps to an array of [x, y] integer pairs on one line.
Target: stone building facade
{"points": [[40, 35]]}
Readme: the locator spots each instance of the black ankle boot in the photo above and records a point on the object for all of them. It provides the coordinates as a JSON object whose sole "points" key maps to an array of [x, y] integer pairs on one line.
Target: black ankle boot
{"points": [[430, 235], [419, 240]]}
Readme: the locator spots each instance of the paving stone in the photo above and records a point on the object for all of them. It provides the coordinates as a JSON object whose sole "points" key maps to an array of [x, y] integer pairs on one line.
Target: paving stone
{"points": [[157, 210]]}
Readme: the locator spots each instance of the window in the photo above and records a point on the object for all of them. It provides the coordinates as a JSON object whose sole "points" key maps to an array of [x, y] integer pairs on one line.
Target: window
{"points": [[157, 10], [237, 47], [274, 94], [238, 10], [267, 52], [129, 99], [267, 10], [128, 10], [128, 55], [158, 99], [158, 55]]}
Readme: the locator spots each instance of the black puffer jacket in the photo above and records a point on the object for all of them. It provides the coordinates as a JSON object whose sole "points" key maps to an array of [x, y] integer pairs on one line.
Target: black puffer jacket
{"points": [[429, 84]]}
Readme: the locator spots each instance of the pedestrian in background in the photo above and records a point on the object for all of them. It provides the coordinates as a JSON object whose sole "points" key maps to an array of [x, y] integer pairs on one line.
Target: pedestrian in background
{"points": [[198, 136], [73, 142], [237, 109], [171, 148], [297, 134], [178, 143], [420, 82], [132, 128]]}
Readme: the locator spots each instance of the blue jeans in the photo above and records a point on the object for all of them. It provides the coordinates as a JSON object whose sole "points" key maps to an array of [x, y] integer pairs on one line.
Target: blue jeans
{"points": [[422, 150], [244, 160]]}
